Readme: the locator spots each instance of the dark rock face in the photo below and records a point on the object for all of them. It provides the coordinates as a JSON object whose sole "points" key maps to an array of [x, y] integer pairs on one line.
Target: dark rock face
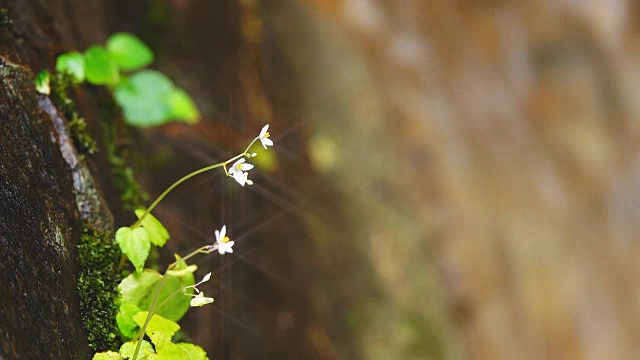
{"points": [[39, 227], [47, 193]]}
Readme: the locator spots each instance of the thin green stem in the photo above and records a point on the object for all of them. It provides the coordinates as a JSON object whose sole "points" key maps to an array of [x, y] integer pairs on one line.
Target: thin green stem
{"points": [[183, 179], [169, 298], [199, 251], [152, 308], [187, 177], [149, 316], [249, 147], [123, 258]]}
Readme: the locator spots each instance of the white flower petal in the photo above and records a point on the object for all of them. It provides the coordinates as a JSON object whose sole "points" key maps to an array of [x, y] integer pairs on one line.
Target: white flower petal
{"points": [[225, 247], [239, 176], [237, 166], [223, 232], [263, 131], [200, 300], [217, 232], [266, 142], [245, 167]]}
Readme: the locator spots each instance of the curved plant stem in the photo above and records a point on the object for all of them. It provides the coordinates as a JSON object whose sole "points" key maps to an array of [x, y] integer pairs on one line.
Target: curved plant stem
{"points": [[152, 308], [149, 316], [201, 250], [169, 298], [189, 176], [183, 179], [140, 334]]}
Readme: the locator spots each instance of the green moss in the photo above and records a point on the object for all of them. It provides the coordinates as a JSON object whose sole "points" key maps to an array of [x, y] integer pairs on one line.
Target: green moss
{"points": [[78, 127], [131, 193], [98, 288]]}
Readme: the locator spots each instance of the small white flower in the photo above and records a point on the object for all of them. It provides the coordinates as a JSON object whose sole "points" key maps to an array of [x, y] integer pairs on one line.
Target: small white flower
{"points": [[224, 245], [200, 300], [237, 171], [254, 154], [264, 137]]}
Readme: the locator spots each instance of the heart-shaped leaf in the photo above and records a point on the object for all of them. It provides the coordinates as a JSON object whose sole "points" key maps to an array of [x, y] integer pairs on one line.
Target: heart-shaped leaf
{"points": [[129, 52], [140, 289], [129, 348], [156, 324], [158, 234], [125, 322], [73, 64], [100, 69], [182, 107], [143, 98], [135, 244], [108, 355]]}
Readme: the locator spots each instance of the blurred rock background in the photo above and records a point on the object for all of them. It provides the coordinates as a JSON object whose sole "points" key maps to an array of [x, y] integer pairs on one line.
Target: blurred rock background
{"points": [[486, 154], [451, 179]]}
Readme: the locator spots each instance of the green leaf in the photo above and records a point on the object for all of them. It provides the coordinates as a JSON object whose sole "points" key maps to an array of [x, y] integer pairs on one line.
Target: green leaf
{"points": [[135, 244], [43, 81], [107, 355], [156, 324], [160, 331], [129, 348], [125, 322], [143, 98], [194, 352], [166, 350], [140, 289], [129, 52], [182, 107], [100, 69], [72, 63], [158, 234], [177, 280], [183, 272], [181, 269]]}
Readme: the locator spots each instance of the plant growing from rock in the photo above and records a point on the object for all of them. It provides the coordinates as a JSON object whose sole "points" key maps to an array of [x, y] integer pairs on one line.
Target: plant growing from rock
{"points": [[150, 303], [147, 97]]}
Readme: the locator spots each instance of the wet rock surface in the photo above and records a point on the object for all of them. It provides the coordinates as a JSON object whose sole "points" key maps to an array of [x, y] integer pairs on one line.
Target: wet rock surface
{"points": [[92, 206], [39, 227], [48, 192]]}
